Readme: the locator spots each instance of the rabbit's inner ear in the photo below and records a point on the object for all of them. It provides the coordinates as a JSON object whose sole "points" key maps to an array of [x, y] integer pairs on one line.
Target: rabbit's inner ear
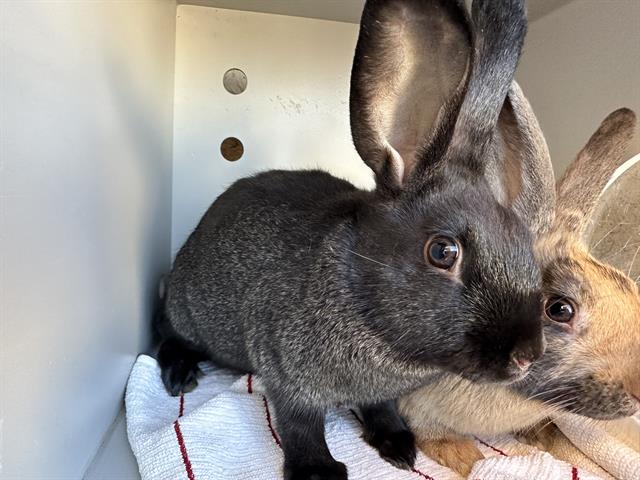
{"points": [[411, 113], [504, 172], [519, 167], [410, 58]]}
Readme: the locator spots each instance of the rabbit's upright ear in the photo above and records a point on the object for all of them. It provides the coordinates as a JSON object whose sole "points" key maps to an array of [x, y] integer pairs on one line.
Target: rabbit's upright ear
{"points": [[584, 180], [427, 86], [410, 59], [519, 167]]}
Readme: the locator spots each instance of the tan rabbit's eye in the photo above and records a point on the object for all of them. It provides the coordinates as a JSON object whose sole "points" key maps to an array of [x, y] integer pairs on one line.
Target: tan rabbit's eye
{"points": [[561, 310], [442, 252]]}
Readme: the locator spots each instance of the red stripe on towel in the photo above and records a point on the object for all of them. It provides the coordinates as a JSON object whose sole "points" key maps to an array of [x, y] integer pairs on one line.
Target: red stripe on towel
{"points": [[497, 450], [574, 473], [423, 475], [266, 411], [273, 432], [181, 445], [183, 451]]}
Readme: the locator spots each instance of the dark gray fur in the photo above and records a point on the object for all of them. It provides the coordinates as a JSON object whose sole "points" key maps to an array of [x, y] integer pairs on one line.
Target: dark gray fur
{"points": [[322, 289]]}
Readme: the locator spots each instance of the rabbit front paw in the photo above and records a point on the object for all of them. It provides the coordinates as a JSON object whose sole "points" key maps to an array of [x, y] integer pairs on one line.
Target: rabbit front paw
{"points": [[330, 471], [398, 448], [179, 367], [386, 431]]}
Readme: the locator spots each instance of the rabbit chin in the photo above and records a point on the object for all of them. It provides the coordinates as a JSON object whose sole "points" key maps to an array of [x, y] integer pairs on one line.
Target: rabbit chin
{"points": [[511, 376], [585, 395], [603, 402]]}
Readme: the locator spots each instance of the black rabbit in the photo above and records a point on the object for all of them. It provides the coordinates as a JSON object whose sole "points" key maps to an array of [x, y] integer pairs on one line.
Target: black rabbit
{"points": [[334, 294]]}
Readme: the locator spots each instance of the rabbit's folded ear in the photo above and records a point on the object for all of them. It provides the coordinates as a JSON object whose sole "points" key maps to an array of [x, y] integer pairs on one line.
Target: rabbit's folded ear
{"points": [[410, 58], [584, 180], [427, 86], [519, 167]]}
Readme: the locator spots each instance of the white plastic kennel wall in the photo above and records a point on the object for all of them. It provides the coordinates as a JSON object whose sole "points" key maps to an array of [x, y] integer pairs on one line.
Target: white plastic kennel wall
{"points": [[112, 115]]}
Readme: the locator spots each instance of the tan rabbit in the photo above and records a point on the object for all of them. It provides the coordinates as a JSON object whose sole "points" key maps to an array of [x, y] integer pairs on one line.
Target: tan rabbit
{"points": [[592, 326]]}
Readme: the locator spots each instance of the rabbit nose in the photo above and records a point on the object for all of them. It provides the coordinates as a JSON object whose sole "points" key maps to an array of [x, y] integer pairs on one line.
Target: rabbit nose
{"points": [[524, 356], [522, 363]]}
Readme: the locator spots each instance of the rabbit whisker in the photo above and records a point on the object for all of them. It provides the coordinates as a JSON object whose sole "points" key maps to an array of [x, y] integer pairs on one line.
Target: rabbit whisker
{"points": [[370, 259], [607, 234], [617, 252], [545, 392], [559, 401], [633, 260], [536, 429]]}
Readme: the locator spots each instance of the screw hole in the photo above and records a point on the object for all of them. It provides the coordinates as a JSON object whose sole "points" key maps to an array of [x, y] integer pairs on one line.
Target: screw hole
{"points": [[234, 81], [232, 149]]}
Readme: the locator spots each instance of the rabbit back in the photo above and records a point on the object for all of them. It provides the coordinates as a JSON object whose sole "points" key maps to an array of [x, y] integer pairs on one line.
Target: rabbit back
{"points": [[249, 259]]}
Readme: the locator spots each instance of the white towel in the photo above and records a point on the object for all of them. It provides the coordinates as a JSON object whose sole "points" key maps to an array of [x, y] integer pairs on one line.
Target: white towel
{"points": [[615, 446], [225, 429]]}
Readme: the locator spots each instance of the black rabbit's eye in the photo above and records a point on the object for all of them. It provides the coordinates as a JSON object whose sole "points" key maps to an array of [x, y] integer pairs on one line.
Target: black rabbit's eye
{"points": [[442, 252], [561, 310]]}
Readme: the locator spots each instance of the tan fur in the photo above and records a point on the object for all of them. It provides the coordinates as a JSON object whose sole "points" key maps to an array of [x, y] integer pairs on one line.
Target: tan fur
{"points": [[615, 337], [599, 353], [543, 437], [457, 454], [454, 404]]}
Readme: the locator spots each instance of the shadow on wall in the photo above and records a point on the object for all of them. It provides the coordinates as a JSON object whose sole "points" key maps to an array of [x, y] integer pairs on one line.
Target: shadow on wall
{"points": [[144, 181], [87, 92]]}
